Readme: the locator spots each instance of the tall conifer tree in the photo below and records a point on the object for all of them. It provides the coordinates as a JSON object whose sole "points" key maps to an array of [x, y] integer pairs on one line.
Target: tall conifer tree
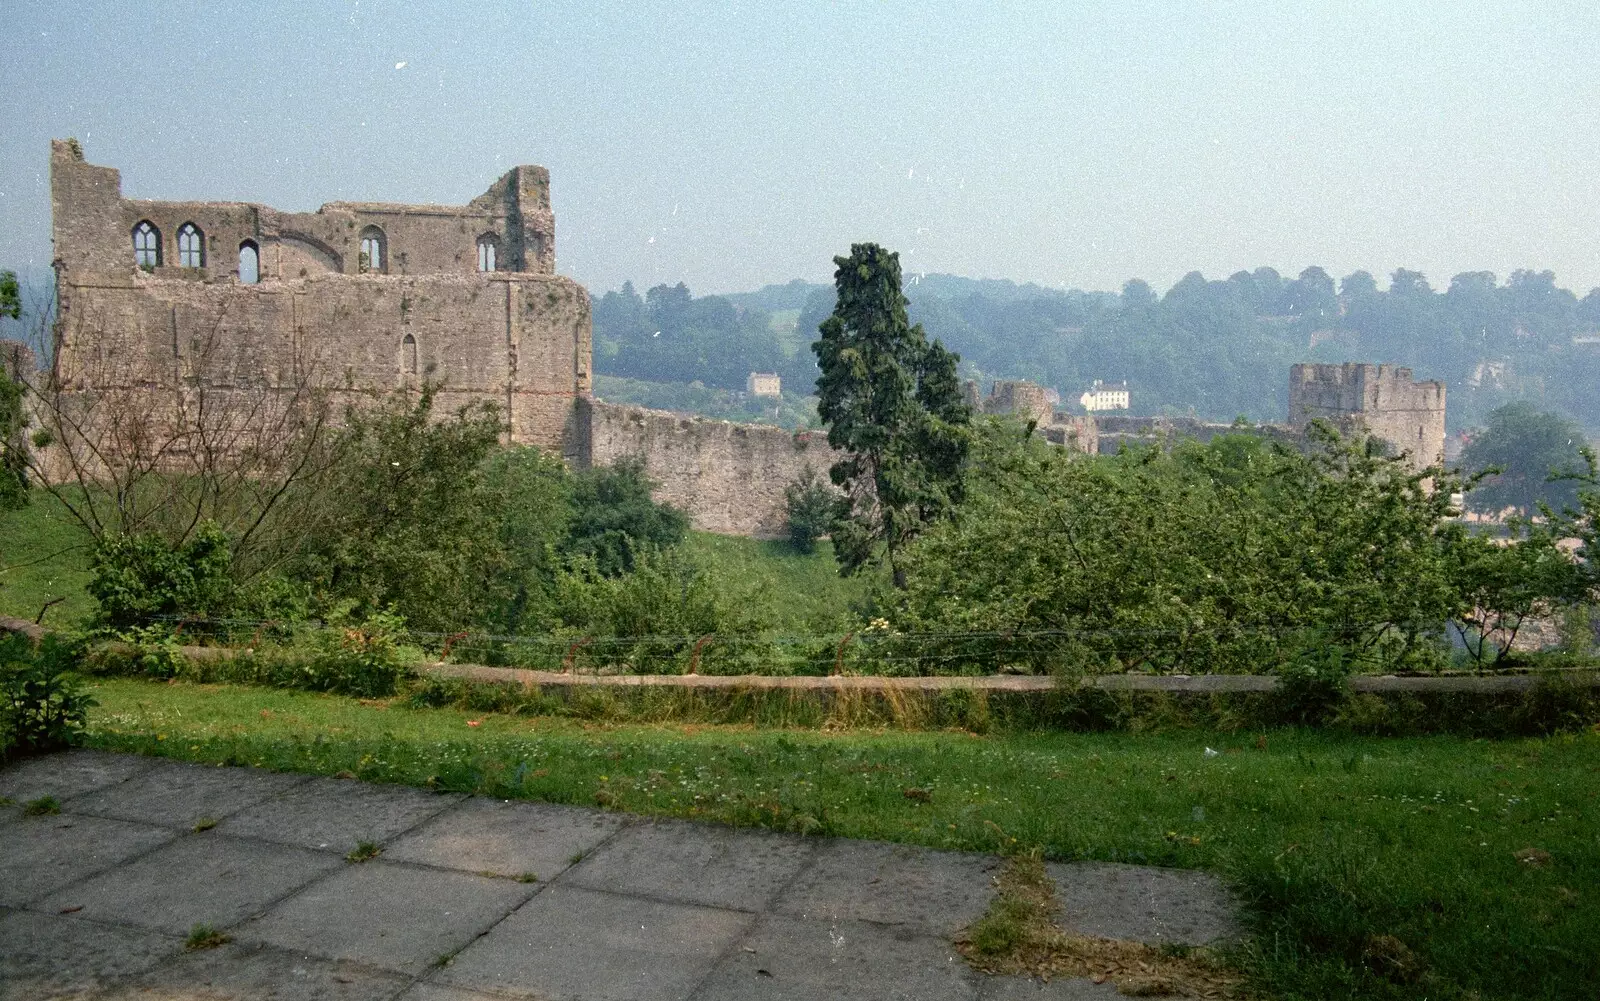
{"points": [[893, 405]]}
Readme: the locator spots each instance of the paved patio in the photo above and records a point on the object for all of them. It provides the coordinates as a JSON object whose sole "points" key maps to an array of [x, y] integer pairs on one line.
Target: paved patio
{"points": [[475, 899]]}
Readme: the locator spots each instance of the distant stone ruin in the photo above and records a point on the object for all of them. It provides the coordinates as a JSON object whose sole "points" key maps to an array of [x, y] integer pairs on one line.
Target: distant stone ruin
{"points": [[360, 298], [1377, 400]]}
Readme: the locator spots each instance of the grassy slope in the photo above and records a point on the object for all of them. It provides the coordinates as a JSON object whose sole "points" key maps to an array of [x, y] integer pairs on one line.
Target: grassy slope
{"points": [[43, 554], [1330, 838], [808, 596]]}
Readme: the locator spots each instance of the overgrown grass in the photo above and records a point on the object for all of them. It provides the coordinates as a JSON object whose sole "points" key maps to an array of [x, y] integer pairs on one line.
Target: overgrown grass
{"points": [[808, 595], [1334, 841], [44, 555]]}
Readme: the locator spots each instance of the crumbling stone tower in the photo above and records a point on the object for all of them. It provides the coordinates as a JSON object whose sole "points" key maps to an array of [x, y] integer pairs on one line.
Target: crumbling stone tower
{"points": [[1380, 400], [360, 297]]}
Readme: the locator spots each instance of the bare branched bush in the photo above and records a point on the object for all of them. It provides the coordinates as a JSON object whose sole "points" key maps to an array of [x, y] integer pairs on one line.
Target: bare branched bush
{"points": [[132, 440]]}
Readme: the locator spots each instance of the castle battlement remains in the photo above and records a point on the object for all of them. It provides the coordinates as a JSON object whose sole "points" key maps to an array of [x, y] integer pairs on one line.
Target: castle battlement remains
{"points": [[357, 296], [1380, 400]]}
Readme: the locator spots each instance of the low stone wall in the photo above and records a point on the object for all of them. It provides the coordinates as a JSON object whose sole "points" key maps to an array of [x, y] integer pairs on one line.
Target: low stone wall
{"points": [[729, 477]]}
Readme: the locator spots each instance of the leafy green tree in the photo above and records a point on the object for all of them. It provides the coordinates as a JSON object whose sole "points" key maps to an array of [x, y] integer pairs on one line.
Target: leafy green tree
{"points": [[1507, 583], [406, 524], [812, 507], [530, 494], [1522, 449], [615, 519], [10, 296], [893, 405], [1238, 555], [139, 579], [13, 421], [1137, 294]]}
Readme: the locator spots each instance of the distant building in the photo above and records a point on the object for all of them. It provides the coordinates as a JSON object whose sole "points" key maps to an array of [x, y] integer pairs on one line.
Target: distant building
{"points": [[1105, 396], [763, 384]]}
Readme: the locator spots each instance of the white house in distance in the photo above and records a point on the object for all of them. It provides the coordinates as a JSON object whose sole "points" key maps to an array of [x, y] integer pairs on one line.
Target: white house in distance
{"points": [[1105, 396], [763, 384]]}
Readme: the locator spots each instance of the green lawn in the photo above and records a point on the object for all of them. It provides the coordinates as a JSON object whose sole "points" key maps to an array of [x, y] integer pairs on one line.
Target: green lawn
{"points": [[808, 596], [44, 554], [1330, 839]]}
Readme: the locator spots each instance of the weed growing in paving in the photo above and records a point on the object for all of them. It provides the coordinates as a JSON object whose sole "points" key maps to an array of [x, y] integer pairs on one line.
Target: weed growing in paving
{"points": [[364, 850], [528, 877], [1019, 934], [203, 936], [204, 824], [44, 806], [1419, 841]]}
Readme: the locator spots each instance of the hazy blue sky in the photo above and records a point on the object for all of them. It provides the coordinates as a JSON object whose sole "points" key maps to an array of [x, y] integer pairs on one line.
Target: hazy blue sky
{"points": [[737, 144]]}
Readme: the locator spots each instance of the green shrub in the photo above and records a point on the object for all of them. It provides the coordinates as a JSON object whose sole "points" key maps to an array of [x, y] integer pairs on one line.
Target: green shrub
{"points": [[42, 705], [615, 520], [364, 660], [142, 577], [812, 507]]}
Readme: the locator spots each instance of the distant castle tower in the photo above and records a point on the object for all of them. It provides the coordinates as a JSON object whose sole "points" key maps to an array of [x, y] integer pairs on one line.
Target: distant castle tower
{"points": [[1380, 400]]}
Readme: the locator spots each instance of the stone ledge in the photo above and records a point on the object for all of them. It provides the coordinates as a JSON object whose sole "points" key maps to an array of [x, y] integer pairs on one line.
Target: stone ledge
{"points": [[1179, 683]]}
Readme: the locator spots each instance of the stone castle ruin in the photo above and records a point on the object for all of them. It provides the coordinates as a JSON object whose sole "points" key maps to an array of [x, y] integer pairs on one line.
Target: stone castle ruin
{"points": [[359, 298], [1356, 398]]}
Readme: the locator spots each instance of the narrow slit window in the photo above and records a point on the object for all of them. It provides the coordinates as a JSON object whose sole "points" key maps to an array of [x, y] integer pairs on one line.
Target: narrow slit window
{"points": [[249, 263], [373, 251], [146, 245], [191, 246], [488, 253], [408, 355]]}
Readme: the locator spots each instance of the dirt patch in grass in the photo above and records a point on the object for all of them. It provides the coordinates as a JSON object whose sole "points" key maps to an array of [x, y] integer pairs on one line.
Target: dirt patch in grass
{"points": [[1019, 934]]}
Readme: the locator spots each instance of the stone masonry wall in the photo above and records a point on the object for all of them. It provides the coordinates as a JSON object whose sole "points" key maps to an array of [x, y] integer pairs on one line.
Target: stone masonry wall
{"points": [[1382, 400], [518, 335], [729, 477]]}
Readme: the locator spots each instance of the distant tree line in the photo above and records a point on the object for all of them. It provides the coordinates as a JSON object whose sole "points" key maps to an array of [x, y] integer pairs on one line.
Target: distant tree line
{"points": [[1213, 348]]}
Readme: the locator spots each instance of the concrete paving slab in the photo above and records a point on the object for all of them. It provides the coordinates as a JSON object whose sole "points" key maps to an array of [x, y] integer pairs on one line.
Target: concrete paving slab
{"points": [[506, 838], [255, 972], [41, 854], [938, 892], [571, 943], [46, 955], [67, 774], [1000, 988], [729, 867], [799, 959], [440, 992], [178, 795], [398, 917], [336, 814], [1144, 903], [198, 878]]}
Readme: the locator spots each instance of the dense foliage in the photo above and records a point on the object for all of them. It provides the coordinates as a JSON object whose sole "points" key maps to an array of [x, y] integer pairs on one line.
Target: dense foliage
{"points": [[425, 520], [1217, 349], [1525, 452], [42, 704], [1240, 555]]}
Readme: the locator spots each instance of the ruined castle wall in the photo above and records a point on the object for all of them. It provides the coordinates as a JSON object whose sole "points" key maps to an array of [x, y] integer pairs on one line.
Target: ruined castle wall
{"points": [[94, 229], [522, 341], [1381, 400], [729, 477], [518, 336], [1023, 399]]}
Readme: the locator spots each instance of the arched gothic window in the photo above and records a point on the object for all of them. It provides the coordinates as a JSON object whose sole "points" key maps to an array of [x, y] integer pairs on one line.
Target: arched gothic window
{"points": [[374, 251], [488, 252], [146, 245], [249, 263], [191, 246], [408, 355]]}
